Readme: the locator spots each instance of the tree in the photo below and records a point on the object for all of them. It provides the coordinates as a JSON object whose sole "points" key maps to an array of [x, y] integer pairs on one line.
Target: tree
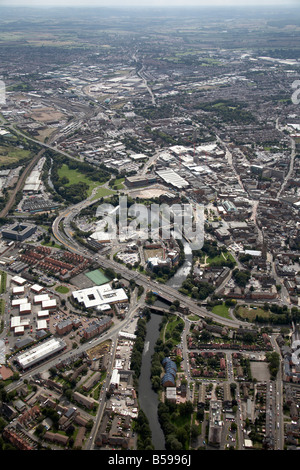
{"points": [[194, 431], [186, 408], [172, 443], [155, 381]]}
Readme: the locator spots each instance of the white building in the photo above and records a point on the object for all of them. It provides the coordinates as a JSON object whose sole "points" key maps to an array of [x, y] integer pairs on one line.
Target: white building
{"points": [[49, 304], [36, 288], [41, 325], [100, 295], [18, 280], [25, 308], [39, 353], [18, 290], [18, 302], [43, 314], [17, 323], [171, 177], [38, 299]]}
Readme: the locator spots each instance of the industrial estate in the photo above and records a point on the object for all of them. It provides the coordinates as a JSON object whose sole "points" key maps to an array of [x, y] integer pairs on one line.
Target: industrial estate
{"points": [[138, 339]]}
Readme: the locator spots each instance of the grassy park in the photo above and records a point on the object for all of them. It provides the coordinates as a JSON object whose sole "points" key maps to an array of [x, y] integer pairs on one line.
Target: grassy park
{"points": [[222, 310], [74, 176]]}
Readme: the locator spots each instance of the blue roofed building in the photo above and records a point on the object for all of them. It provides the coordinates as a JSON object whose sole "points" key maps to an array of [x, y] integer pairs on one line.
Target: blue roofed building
{"points": [[170, 367]]}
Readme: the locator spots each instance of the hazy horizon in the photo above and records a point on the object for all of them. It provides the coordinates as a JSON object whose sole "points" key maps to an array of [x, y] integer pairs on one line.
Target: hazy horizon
{"points": [[147, 3]]}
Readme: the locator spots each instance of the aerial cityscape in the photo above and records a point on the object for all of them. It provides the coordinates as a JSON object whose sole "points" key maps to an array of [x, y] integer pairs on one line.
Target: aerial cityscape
{"points": [[150, 229]]}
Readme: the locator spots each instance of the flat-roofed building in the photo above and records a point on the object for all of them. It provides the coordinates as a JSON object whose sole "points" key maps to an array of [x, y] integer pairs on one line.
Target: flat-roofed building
{"points": [[140, 180], [37, 288], [18, 290], [25, 308], [19, 330], [171, 394], [115, 379], [49, 304], [18, 302], [215, 423], [39, 353], [16, 322], [41, 325], [42, 314], [18, 280], [100, 295], [38, 299], [201, 396], [172, 178], [19, 231]]}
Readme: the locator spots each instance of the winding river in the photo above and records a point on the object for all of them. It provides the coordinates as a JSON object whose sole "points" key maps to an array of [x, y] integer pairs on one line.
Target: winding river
{"points": [[147, 397]]}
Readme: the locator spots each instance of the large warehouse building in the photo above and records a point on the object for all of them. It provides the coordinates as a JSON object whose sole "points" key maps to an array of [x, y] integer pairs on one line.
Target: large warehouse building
{"points": [[171, 177], [40, 353]]}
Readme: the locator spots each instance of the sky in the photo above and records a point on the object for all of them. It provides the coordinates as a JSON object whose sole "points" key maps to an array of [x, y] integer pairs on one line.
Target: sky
{"points": [[145, 3]]}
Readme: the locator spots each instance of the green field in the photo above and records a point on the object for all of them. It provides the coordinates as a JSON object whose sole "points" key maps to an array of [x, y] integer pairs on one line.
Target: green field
{"points": [[221, 310], [193, 317], [98, 277], [11, 154], [75, 177], [219, 259], [250, 313], [2, 306], [119, 183], [2, 282], [62, 289], [102, 192]]}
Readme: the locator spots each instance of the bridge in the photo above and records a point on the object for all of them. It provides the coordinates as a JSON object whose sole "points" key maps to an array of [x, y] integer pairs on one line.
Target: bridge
{"points": [[155, 309]]}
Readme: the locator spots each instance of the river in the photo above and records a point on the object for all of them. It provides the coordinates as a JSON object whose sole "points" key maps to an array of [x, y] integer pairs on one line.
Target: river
{"points": [[148, 399]]}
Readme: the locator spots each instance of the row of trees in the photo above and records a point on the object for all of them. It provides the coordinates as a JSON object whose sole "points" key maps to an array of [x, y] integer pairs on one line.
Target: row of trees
{"points": [[144, 433], [138, 348]]}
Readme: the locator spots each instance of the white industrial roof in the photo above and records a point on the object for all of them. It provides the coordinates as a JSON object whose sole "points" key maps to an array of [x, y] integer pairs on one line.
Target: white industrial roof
{"points": [[25, 307], [42, 351], [36, 288], [18, 290], [41, 325], [115, 377], [124, 334], [138, 156], [171, 177], [18, 280], [19, 329], [18, 321], [49, 303], [41, 298], [43, 313], [99, 295], [209, 148], [16, 302], [253, 252]]}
